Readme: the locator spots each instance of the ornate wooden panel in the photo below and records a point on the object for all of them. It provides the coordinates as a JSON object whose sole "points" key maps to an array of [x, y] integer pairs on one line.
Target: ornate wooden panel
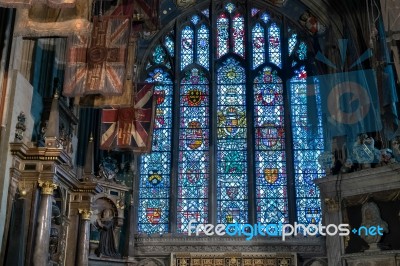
{"points": [[233, 259]]}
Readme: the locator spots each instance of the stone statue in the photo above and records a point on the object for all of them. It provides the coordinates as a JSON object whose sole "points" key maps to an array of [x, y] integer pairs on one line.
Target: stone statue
{"points": [[371, 217], [107, 241]]}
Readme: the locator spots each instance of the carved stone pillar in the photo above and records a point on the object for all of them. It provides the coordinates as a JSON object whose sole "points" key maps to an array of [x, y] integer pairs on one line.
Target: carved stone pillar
{"points": [[41, 248], [82, 256], [333, 243]]}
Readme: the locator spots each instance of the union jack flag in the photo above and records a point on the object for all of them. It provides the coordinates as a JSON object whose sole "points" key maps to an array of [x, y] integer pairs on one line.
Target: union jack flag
{"points": [[130, 128], [97, 65]]}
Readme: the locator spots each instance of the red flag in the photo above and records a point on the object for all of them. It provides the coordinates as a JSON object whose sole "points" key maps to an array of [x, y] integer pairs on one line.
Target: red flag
{"points": [[130, 128]]}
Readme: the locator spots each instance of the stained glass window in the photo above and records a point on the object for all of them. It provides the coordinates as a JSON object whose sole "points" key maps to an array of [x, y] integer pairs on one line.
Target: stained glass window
{"points": [[222, 35], [203, 39], [187, 46], [307, 146], [292, 41], [238, 34], [223, 120], [258, 45], [270, 155], [254, 11], [193, 165], [169, 44], [155, 171], [274, 39], [231, 143]]}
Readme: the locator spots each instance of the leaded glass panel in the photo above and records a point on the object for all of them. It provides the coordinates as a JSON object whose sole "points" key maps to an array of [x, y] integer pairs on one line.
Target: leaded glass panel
{"points": [[203, 47], [238, 34], [308, 145], [222, 35], [154, 178], [231, 144], [193, 164], [190, 133], [274, 38], [258, 39], [187, 41], [270, 159]]}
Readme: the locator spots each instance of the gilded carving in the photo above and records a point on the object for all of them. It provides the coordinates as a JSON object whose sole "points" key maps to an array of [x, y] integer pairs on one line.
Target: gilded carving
{"points": [[85, 214], [47, 187]]}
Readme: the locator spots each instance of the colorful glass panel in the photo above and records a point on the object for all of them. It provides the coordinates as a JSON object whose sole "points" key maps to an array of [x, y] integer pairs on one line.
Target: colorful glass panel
{"points": [[230, 7], [238, 34], [193, 40], [159, 55], [231, 160], [195, 19], [274, 38], [254, 11], [222, 35], [258, 45], [307, 146], [170, 45], [187, 46], [292, 42], [206, 12], [270, 155], [265, 17], [203, 47], [302, 51], [154, 178], [193, 163]]}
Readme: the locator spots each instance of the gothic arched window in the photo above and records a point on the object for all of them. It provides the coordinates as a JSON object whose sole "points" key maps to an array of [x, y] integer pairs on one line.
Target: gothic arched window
{"points": [[234, 138]]}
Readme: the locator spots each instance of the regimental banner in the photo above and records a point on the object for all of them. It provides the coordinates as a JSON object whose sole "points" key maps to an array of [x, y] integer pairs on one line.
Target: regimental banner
{"points": [[391, 18], [117, 101], [130, 128], [350, 103], [101, 68], [29, 3], [43, 21]]}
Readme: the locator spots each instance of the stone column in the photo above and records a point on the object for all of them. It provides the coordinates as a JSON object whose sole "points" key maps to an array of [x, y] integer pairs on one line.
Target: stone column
{"points": [[82, 256], [334, 247], [42, 239]]}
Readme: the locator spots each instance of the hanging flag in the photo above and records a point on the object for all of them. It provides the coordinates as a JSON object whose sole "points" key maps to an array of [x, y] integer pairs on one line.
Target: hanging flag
{"points": [[390, 101], [45, 21], [101, 68], [390, 16], [29, 3], [117, 101], [130, 128], [349, 102]]}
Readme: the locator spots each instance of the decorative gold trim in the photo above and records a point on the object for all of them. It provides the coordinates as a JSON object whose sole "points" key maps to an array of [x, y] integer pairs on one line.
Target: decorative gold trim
{"points": [[47, 187], [85, 214]]}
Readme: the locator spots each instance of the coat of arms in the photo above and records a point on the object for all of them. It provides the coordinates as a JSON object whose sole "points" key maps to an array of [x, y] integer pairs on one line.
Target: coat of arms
{"points": [[153, 215], [194, 135], [271, 175]]}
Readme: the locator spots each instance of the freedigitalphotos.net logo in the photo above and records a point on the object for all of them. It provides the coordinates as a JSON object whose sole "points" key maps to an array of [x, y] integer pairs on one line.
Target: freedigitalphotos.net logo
{"points": [[279, 230]]}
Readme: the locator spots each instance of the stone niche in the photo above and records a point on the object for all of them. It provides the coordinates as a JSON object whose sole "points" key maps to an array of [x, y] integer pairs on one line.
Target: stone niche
{"points": [[363, 199]]}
